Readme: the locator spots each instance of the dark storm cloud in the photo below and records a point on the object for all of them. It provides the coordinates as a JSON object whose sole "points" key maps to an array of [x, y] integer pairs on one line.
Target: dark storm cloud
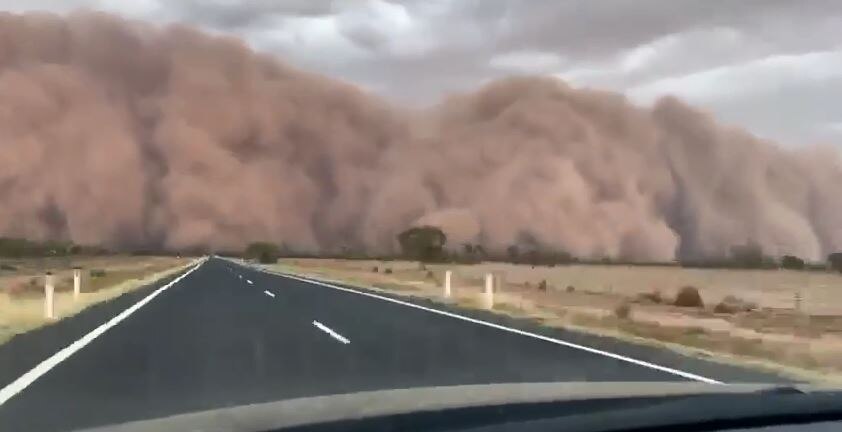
{"points": [[243, 14]]}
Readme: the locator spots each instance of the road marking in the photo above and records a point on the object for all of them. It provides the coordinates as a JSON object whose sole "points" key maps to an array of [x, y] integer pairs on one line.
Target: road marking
{"points": [[512, 330], [332, 333], [249, 281], [270, 294], [240, 276], [45, 366]]}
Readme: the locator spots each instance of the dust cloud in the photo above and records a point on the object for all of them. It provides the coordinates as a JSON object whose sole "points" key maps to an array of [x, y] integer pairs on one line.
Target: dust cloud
{"points": [[129, 135]]}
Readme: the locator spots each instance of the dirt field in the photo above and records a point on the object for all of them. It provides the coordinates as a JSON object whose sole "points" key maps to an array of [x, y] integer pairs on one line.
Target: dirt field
{"points": [[103, 278], [798, 337]]}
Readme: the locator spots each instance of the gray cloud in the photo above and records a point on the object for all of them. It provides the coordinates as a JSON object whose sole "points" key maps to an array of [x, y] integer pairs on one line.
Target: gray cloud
{"points": [[418, 50]]}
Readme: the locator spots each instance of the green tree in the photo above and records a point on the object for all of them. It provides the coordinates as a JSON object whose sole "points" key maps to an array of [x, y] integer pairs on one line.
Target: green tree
{"points": [[424, 243], [264, 252], [792, 262]]}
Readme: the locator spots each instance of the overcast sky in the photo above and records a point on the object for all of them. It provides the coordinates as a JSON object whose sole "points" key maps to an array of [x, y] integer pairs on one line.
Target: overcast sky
{"points": [[773, 66]]}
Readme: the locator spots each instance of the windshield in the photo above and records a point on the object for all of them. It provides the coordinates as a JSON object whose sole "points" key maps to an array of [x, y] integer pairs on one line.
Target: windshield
{"points": [[213, 204]]}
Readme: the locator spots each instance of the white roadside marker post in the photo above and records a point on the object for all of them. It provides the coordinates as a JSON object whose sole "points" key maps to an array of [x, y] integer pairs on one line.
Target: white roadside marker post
{"points": [[49, 292], [488, 296], [77, 283], [447, 275]]}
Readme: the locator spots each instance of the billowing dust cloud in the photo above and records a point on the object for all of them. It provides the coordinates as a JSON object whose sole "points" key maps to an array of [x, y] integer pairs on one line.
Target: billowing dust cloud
{"points": [[129, 135]]}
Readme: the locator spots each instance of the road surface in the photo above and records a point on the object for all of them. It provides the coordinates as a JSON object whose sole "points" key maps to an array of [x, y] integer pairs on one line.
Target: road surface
{"points": [[226, 335]]}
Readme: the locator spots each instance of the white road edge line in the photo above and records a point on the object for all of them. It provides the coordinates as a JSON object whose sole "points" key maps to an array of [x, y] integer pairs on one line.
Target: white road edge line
{"points": [[672, 371], [33, 374], [249, 281], [270, 294], [332, 333]]}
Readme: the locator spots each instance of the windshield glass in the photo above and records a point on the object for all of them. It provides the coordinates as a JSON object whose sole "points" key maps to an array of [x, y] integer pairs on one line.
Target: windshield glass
{"points": [[213, 204]]}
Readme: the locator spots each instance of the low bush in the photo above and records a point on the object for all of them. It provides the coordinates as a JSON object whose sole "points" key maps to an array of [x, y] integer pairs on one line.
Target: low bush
{"points": [[97, 273], [542, 286], [731, 304], [375, 269], [689, 296], [654, 296], [570, 288], [7, 267], [623, 311], [791, 262], [387, 271], [725, 308]]}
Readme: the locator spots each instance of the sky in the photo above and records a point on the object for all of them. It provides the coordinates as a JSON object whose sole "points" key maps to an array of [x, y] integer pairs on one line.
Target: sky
{"points": [[771, 66]]}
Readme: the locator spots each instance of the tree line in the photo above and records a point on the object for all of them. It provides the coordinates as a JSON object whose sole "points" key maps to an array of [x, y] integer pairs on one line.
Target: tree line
{"points": [[429, 244]]}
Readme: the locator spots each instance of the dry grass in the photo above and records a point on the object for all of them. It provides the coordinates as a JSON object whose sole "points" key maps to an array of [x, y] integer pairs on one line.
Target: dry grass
{"points": [[760, 326], [22, 310]]}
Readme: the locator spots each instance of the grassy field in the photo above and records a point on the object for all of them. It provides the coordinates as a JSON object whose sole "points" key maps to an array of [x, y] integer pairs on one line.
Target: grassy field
{"points": [[103, 278], [801, 338]]}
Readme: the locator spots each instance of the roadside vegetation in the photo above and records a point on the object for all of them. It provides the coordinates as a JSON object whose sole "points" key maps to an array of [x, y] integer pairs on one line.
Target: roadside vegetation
{"points": [[780, 313], [104, 276]]}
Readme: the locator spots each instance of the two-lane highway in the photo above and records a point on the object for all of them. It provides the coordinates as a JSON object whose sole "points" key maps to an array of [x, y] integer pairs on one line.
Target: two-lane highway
{"points": [[228, 335]]}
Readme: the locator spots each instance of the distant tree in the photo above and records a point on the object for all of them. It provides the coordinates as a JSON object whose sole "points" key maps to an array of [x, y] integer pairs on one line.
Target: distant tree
{"points": [[424, 243], [835, 261], [532, 257], [514, 253], [264, 252], [791, 262], [749, 255], [479, 250]]}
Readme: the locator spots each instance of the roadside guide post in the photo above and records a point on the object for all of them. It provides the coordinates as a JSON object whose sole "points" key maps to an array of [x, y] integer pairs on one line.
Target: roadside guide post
{"points": [[49, 291], [488, 296], [447, 275], [77, 282]]}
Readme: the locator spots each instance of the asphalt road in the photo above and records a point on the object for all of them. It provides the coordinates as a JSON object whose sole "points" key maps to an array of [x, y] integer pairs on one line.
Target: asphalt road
{"points": [[228, 335]]}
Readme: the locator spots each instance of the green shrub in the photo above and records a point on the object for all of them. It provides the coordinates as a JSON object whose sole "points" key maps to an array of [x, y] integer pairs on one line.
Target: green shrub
{"points": [[791, 262], [97, 273], [387, 271], [264, 252], [689, 296], [424, 243], [542, 286], [7, 267]]}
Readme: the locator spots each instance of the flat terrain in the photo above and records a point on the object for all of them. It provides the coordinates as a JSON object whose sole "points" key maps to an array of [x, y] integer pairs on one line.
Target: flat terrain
{"points": [[226, 334], [103, 278], [794, 327]]}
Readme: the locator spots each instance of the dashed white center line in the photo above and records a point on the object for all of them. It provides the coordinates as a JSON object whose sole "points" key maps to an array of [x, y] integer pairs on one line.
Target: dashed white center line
{"points": [[240, 276], [249, 281], [332, 333], [269, 293]]}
